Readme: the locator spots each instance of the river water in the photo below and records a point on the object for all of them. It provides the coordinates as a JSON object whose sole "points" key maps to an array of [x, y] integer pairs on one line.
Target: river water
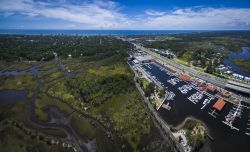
{"points": [[244, 55], [12, 96]]}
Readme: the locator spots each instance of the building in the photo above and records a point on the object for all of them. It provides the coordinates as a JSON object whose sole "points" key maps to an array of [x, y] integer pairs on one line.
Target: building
{"points": [[211, 88], [219, 105], [247, 79], [135, 61], [238, 76], [143, 58], [185, 77]]}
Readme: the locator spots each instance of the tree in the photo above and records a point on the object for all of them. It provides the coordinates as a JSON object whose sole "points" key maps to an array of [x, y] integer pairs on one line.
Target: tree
{"points": [[149, 89], [161, 92]]}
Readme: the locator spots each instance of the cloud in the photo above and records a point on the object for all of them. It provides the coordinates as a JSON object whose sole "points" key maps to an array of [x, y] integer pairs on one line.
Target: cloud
{"points": [[202, 18], [154, 13], [94, 14], [106, 14]]}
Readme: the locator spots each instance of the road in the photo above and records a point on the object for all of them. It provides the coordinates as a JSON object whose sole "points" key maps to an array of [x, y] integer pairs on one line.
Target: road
{"points": [[206, 77], [220, 82]]}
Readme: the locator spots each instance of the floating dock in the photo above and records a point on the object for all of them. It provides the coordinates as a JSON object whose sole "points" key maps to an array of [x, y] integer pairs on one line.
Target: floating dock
{"points": [[166, 106]]}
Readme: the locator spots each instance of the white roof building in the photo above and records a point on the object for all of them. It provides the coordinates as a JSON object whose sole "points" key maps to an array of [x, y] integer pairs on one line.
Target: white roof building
{"points": [[247, 78], [143, 58], [135, 61]]}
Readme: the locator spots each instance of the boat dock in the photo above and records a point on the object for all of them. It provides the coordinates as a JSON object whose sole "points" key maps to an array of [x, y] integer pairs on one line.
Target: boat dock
{"points": [[166, 106]]}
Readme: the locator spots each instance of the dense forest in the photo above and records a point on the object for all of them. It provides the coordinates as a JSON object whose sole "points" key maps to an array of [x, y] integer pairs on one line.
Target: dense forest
{"points": [[39, 47]]}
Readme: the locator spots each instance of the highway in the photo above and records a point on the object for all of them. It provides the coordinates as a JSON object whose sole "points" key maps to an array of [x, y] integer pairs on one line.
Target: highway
{"points": [[206, 77], [220, 82]]}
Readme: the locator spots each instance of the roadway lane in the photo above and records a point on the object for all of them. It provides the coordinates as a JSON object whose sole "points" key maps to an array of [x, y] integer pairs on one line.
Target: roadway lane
{"points": [[206, 77]]}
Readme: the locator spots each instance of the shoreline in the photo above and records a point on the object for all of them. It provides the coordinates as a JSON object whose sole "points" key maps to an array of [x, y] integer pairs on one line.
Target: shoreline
{"points": [[181, 125], [206, 146]]}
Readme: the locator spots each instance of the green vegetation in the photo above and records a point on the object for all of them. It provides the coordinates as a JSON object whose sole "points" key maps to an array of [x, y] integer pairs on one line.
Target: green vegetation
{"points": [[245, 64], [48, 77], [16, 112], [102, 88], [205, 50], [21, 66], [47, 65], [83, 126], [21, 82], [219, 41], [4, 65], [195, 133], [125, 111], [147, 87], [107, 92], [14, 139], [42, 101], [199, 69], [60, 91], [183, 62], [22, 47]]}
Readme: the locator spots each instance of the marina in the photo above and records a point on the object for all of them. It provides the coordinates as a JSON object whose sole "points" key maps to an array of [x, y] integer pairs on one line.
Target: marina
{"points": [[203, 104]]}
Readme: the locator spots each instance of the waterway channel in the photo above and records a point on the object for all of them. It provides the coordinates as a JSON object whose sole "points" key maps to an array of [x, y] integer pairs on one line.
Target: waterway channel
{"points": [[59, 120], [243, 55]]}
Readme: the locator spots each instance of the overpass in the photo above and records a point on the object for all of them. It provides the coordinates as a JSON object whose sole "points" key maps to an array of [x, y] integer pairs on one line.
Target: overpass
{"points": [[239, 87]]}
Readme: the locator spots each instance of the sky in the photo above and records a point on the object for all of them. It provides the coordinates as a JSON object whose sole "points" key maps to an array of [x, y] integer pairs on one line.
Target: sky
{"points": [[126, 14]]}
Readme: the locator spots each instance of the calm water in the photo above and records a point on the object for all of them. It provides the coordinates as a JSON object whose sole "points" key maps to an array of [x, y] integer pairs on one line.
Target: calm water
{"points": [[244, 55], [94, 32], [12, 96]]}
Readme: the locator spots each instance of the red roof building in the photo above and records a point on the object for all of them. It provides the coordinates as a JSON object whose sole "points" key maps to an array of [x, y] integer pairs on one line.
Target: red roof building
{"points": [[185, 77], [211, 87], [219, 104], [202, 88]]}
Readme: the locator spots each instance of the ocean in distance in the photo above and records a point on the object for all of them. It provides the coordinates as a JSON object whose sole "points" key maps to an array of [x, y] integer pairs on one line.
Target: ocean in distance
{"points": [[93, 32]]}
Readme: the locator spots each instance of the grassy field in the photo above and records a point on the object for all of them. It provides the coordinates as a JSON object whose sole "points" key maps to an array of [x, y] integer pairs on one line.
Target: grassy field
{"points": [[112, 99], [83, 126], [102, 87], [126, 111], [42, 101], [183, 62], [199, 69], [60, 91], [22, 66], [16, 66], [14, 140], [73, 64], [50, 76], [4, 65], [121, 112], [21, 82], [245, 64], [47, 65]]}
